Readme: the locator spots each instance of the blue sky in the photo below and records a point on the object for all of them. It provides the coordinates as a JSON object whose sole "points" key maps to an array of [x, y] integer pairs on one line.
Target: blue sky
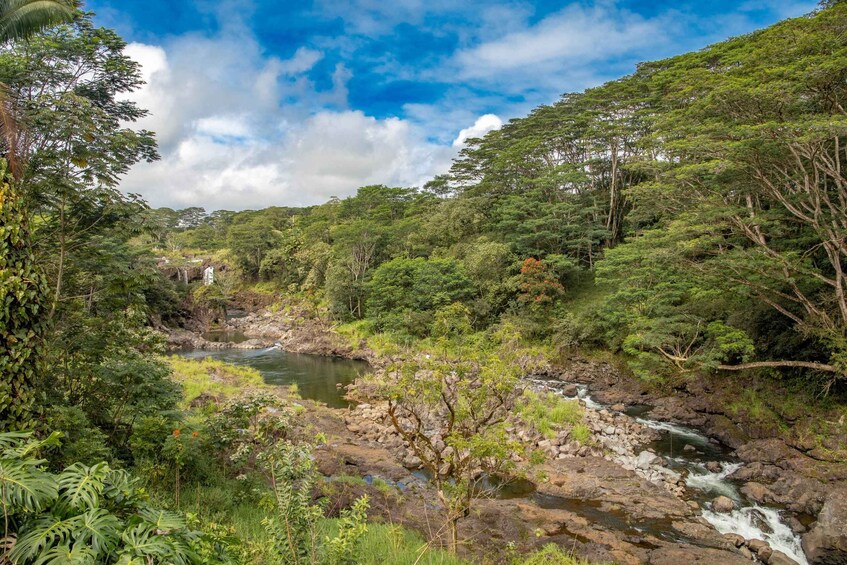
{"points": [[274, 102]]}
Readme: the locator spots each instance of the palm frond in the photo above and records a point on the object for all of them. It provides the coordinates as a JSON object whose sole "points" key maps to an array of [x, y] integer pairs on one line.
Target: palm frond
{"points": [[20, 19]]}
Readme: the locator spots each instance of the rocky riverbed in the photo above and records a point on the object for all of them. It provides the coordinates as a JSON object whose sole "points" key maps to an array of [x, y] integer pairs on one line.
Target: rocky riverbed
{"points": [[614, 497]]}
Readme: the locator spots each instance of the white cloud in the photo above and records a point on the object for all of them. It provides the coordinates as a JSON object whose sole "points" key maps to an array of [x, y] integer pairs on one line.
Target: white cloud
{"points": [[227, 142], [578, 35], [481, 126]]}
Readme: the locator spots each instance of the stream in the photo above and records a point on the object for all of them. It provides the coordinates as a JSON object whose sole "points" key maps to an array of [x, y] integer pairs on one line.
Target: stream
{"points": [[688, 451], [684, 450]]}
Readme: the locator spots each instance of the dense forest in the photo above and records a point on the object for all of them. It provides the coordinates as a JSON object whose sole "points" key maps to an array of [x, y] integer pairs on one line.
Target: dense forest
{"points": [[688, 221]]}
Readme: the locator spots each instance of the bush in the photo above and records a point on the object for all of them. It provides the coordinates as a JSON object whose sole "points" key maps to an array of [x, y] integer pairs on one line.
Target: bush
{"points": [[82, 441], [88, 514]]}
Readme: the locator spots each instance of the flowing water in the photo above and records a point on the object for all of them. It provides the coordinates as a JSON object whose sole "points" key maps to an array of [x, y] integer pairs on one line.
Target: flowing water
{"points": [[688, 451], [317, 377]]}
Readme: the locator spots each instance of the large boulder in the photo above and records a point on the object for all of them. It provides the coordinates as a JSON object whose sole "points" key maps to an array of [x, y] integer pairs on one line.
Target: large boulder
{"points": [[826, 543], [723, 504]]}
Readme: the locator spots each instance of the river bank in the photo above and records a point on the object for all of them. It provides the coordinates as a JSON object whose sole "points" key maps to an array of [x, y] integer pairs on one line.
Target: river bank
{"points": [[612, 490]]}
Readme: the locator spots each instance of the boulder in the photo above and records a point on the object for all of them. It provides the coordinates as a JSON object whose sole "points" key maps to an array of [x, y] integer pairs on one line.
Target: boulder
{"points": [[713, 467], [570, 390], [779, 558], [757, 545], [756, 492], [735, 539], [645, 460], [826, 543], [723, 504]]}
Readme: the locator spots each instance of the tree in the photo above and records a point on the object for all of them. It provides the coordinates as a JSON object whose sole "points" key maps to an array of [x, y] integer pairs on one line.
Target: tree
{"points": [[403, 293], [453, 417]]}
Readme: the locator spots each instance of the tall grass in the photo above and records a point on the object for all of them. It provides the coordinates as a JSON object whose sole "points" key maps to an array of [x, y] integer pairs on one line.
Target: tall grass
{"points": [[549, 413], [214, 377]]}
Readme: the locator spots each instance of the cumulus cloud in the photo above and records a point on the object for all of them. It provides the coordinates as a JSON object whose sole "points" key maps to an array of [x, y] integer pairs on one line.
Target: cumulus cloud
{"points": [[481, 126], [227, 142]]}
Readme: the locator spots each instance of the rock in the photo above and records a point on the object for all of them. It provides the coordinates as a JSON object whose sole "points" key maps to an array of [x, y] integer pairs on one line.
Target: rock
{"points": [[713, 467], [756, 492], [618, 407], [757, 545], [723, 504], [746, 553], [411, 462], [827, 541], [609, 430], [764, 554], [735, 539], [689, 447], [570, 390], [779, 558], [645, 460]]}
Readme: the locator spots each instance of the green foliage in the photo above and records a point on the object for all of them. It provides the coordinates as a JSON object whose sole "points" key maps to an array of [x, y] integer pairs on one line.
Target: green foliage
{"points": [[22, 313], [88, 514], [453, 416], [550, 554], [548, 413], [211, 377], [405, 292], [20, 19], [294, 526]]}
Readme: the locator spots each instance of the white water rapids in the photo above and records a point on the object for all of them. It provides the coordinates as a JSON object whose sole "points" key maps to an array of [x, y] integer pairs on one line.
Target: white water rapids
{"points": [[750, 521]]}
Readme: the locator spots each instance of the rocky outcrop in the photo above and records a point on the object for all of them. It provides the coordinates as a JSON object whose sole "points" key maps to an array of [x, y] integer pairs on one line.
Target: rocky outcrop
{"points": [[826, 543]]}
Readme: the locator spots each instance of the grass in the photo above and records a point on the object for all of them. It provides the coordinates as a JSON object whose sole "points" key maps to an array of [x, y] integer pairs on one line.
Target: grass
{"points": [[222, 380], [234, 506], [392, 544], [581, 433], [549, 413], [550, 554]]}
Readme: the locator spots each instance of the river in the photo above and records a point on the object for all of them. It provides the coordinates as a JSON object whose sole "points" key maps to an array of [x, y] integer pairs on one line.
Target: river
{"points": [[317, 377], [750, 520]]}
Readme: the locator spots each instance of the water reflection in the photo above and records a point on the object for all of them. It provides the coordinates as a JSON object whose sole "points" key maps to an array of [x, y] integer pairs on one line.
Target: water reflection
{"points": [[317, 377]]}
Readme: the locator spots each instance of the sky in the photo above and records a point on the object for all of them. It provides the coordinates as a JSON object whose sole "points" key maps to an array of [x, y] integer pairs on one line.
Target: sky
{"points": [[258, 103]]}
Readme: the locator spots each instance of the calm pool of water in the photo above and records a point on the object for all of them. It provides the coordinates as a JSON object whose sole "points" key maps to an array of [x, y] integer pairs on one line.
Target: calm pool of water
{"points": [[316, 377]]}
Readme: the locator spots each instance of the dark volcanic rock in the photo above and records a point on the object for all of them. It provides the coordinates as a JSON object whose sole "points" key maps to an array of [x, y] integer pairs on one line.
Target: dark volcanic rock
{"points": [[826, 543]]}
